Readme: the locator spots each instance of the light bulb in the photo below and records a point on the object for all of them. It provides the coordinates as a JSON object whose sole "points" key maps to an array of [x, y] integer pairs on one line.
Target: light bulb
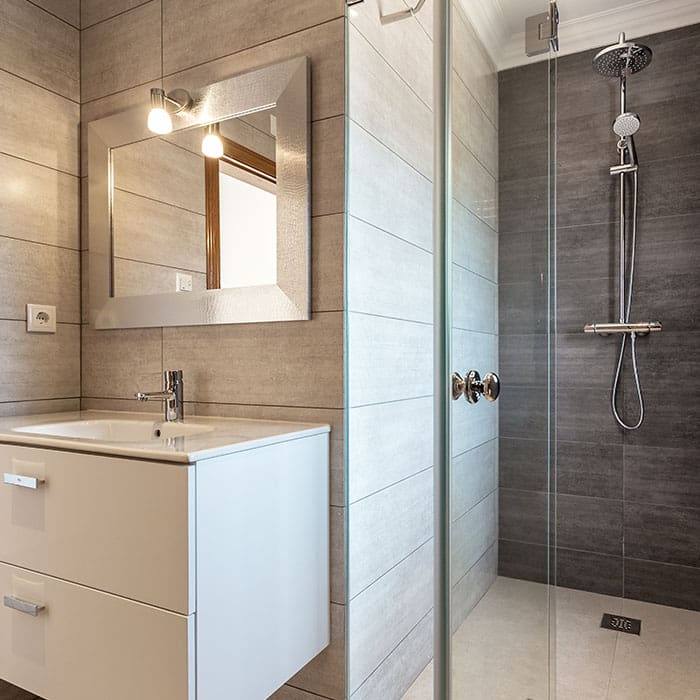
{"points": [[212, 145], [159, 121]]}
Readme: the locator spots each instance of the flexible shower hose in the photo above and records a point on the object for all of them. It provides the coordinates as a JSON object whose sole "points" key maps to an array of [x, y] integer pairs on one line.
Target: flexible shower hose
{"points": [[633, 336]]}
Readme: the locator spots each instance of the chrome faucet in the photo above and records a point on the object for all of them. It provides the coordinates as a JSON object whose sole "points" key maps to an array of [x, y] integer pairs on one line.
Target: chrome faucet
{"points": [[172, 395]]}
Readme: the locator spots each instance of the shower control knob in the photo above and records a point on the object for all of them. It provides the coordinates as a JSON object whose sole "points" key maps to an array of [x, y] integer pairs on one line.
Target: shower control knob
{"points": [[473, 388]]}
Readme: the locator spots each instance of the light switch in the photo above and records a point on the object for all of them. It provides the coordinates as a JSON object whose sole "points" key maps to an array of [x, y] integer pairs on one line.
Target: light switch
{"points": [[183, 282], [41, 318]]}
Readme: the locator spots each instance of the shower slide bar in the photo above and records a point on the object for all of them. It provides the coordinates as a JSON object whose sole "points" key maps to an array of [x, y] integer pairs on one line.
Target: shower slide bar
{"points": [[643, 328]]}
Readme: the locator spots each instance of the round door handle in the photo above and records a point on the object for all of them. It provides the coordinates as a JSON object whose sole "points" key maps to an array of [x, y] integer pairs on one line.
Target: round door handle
{"points": [[492, 386], [473, 388]]}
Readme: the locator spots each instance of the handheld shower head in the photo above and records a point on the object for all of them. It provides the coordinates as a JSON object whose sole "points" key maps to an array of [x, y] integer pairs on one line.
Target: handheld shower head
{"points": [[626, 124]]}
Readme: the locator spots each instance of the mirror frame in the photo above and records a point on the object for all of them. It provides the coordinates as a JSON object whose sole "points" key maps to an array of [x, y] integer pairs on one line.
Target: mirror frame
{"points": [[284, 86]]}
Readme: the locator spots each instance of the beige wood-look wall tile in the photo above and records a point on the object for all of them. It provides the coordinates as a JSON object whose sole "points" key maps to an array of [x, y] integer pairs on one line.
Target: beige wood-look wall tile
{"points": [[38, 203], [198, 31], [337, 538], [121, 52], [333, 417], [129, 405], [405, 46], [382, 615], [33, 273], [117, 364], [386, 192], [133, 278], [325, 47], [138, 168], [386, 527], [32, 408], [38, 125], [325, 675], [67, 10], [327, 262], [328, 166], [389, 442], [297, 363], [286, 692], [158, 233], [388, 276], [40, 48], [39, 365], [383, 104], [94, 11], [474, 187], [388, 359]]}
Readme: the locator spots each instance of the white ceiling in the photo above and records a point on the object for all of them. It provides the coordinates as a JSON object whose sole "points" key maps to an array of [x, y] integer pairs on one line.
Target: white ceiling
{"points": [[584, 24]]}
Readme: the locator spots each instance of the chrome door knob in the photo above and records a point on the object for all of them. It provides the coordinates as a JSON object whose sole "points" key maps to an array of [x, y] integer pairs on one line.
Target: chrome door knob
{"points": [[473, 388]]}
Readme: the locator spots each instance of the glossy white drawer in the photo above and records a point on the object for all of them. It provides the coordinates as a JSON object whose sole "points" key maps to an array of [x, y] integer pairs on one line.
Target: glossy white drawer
{"points": [[119, 525], [85, 644]]}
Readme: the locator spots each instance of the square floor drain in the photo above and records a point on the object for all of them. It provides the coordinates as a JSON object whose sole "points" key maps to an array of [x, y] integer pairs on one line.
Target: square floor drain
{"points": [[618, 623]]}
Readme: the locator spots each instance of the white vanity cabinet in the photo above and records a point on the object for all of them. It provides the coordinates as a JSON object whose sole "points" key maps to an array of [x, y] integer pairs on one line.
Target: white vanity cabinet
{"points": [[129, 578]]}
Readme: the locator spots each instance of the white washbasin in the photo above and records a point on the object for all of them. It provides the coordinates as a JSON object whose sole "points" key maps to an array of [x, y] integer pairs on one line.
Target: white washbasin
{"points": [[116, 430]]}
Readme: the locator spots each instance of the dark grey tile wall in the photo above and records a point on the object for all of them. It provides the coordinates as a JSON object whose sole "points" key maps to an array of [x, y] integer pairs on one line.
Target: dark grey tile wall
{"points": [[612, 512]]}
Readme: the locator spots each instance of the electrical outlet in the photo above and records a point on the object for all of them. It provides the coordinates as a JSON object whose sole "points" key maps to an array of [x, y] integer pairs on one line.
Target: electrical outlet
{"points": [[183, 282], [41, 318]]}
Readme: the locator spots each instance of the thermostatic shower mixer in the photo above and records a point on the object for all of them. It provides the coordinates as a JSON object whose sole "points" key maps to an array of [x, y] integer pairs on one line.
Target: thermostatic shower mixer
{"points": [[472, 387]]}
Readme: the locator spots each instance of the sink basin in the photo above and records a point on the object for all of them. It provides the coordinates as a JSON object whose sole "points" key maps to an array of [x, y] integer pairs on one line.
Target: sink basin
{"points": [[115, 430]]}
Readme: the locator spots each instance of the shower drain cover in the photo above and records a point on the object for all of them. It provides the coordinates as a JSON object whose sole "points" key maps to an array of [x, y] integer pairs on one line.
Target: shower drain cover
{"points": [[618, 623]]}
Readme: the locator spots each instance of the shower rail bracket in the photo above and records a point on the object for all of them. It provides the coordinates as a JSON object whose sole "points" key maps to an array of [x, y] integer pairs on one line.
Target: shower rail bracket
{"points": [[403, 14], [643, 328]]}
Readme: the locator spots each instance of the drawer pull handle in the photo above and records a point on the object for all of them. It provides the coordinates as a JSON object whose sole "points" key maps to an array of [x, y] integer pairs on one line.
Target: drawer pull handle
{"points": [[27, 482], [23, 606]]}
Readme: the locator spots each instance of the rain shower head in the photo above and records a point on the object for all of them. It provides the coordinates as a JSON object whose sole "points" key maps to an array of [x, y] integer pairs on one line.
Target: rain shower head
{"points": [[626, 124], [622, 59]]}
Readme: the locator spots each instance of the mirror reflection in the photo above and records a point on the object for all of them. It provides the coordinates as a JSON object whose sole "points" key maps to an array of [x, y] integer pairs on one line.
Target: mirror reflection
{"points": [[184, 222]]}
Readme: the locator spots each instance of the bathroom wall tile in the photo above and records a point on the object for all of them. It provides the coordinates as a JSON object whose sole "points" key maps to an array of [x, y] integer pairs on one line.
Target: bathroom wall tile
{"points": [[385, 613], [327, 264], [523, 412], [475, 243], [523, 464], [325, 674], [589, 571], [38, 125], [523, 560], [32, 408], [592, 524], [582, 358], [662, 475], [117, 364], [388, 526], [474, 302], [660, 533], [401, 294], [93, 11], [146, 230], [41, 274], [386, 192], [593, 149], [121, 52], [337, 556], [472, 535], [473, 186], [477, 423], [42, 205], [404, 46], [302, 359], [468, 591], [663, 583], [324, 45], [392, 679], [67, 10], [670, 298], [474, 476], [474, 349], [523, 516], [666, 188], [390, 442], [40, 48], [287, 692], [26, 357], [222, 27], [585, 300], [583, 415], [134, 278], [585, 252], [327, 165], [523, 359], [378, 348], [527, 206], [523, 307], [586, 197], [589, 469], [523, 257], [406, 131]]}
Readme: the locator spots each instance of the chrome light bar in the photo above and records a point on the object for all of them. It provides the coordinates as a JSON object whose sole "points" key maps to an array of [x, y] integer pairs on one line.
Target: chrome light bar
{"points": [[643, 328]]}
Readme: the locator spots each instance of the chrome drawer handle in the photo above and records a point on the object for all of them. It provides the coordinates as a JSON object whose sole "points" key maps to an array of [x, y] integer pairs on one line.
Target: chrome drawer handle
{"points": [[23, 606], [27, 482]]}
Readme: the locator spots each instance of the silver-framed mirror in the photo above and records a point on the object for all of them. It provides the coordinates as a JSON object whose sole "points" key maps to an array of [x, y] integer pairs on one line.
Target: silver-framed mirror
{"points": [[177, 238]]}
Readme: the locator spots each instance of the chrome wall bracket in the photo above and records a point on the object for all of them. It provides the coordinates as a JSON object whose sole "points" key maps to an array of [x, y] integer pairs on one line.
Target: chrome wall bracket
{"points": [[542, 31]]}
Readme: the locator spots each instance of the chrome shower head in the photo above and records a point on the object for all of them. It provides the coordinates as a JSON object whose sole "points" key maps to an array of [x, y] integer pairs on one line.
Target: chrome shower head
{"points": [[622, 59], [626, 124]]}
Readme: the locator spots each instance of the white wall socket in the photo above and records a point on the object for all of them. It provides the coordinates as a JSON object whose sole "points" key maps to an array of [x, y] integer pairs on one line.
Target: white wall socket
{"points": [[41, 318], [183, 282]]}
